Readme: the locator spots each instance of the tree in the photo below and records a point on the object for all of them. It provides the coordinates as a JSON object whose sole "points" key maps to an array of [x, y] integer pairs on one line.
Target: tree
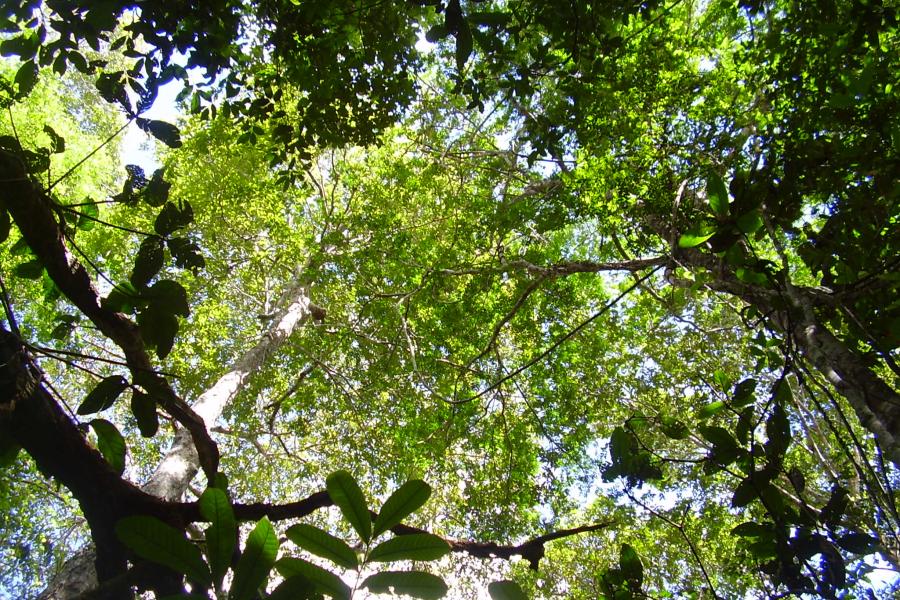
{"points": [[647, 242]]}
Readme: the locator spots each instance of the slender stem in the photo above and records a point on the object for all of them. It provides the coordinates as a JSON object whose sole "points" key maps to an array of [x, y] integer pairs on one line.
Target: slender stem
{"points": [[552, 347], [684, 535], [7, 307], [90, 154]]}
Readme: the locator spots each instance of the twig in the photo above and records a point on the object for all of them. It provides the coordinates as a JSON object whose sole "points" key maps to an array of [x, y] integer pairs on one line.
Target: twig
{"points": [[552, 347]]}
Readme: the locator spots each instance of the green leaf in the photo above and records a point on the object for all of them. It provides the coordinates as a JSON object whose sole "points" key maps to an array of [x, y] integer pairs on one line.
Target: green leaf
{"points": [[33, 269], [463, 45], [26, 77], [506, 590], [321, 543], [87, 213], [159, 542], [103, 395], [158, 328], [221, 535], [751, 529], [148, 262], [325, 581], [749, 222], [143, 407], [711, 409], [408, 498], [417, 546], [347, 495], [297, 587], [417, 584], [110, 443], [695, 236], [255, 562], [57, 143], [717, 193], [630, 564], [123, 298]]}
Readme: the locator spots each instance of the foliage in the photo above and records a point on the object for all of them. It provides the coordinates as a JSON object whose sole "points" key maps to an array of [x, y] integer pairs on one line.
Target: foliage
{"points": [[618, 279]]}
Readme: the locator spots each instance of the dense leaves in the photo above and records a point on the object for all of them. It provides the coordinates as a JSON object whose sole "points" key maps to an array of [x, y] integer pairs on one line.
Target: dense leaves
{"points": [[616, 278]]}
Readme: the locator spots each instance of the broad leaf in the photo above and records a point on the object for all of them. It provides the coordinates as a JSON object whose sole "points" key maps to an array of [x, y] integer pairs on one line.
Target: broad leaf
{"points": [[169, 296], [296, 587], [412, 583], [347, 495], [158, 328], [408, 498], [159, 542], [148, 262], [321, 543], [696, 236], [221, 535], [103, 395], [255, 562], [326, 581], [506, 590], [417, 546], [717, 193], [143, 407], [630, 564], [110, 443]]}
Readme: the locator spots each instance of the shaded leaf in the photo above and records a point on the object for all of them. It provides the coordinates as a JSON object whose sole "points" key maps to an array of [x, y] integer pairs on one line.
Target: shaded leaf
{"points": [[326, 581], [173, 217], [158, 329], [506, 590], [57, 143], [858, 543], [321, 543], [143, 407], [110, 443], [255, 562], [148, 262], [296, 587], [417, 584], [347, 495], [103, 395], [417, 546], [170, 296], [159, 542], [717, 193], [408, 498], [221, 535], [26, 77], [630, 564], [5, 224], [33, 269]]}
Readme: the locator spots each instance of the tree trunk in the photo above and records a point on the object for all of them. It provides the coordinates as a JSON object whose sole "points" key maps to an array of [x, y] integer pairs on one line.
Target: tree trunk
{"points": [[180, 464]]}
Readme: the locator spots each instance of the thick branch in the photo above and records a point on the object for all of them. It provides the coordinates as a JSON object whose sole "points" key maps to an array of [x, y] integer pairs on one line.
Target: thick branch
{"points": [[32, 212]]}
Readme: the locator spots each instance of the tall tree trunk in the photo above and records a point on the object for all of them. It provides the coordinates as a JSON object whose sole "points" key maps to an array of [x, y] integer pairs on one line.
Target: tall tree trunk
{"points": [[181, 463]]}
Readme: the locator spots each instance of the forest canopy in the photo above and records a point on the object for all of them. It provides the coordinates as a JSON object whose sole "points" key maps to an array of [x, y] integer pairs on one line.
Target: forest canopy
{"points": [[466, 298]]}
